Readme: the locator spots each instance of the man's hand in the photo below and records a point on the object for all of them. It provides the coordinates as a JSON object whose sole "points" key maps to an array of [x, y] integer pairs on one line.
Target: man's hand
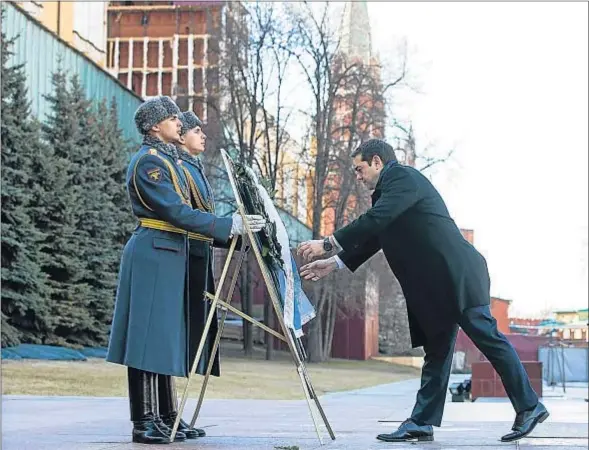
{"points": [[311, 249], [318, 269], [255, 222]]}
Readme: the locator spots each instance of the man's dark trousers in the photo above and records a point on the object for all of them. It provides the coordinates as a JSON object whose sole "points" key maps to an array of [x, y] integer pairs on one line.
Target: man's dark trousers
{"points": [[481, 327]]}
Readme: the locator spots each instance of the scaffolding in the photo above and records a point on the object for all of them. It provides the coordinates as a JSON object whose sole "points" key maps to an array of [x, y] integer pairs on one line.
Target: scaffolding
{"points": [[168, 49]]}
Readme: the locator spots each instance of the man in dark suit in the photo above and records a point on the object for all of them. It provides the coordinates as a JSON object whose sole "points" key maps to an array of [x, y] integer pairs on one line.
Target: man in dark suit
{"points": [[445, 281]]}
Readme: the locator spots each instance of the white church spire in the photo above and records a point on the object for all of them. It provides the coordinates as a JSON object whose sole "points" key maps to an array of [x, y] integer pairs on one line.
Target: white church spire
{"points": [[355, 38]]}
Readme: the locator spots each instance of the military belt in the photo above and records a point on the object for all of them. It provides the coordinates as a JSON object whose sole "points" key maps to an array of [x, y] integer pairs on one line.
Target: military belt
{"points": [[165, 226]]}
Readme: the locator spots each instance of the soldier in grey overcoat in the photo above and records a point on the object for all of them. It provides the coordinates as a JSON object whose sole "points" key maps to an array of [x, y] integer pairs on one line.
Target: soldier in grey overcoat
{"points": [[200, 271], [150, 325]]}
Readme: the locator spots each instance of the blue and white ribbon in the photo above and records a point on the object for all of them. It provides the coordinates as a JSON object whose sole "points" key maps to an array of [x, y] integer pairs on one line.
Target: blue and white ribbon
{"points": [[297, 308]]}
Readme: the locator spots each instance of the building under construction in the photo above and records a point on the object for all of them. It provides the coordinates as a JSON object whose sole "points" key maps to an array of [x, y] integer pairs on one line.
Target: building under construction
{"points": [[170, 48]]}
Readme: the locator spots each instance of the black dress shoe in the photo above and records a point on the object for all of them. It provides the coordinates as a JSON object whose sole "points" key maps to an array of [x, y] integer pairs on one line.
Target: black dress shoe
{"points": [[183, 427], [525, 422], [409, 431]]}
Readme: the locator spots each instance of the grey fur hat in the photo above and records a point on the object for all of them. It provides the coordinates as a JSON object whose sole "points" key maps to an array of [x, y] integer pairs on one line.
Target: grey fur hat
{"points": [[189, 121], [153, 111]]}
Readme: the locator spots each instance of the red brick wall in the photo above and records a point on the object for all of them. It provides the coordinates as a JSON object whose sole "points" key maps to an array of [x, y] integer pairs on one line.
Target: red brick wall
{"points": [[500, 311], [468, 235], [487, 383], [355, 336], [525, 346], [348, 337]]}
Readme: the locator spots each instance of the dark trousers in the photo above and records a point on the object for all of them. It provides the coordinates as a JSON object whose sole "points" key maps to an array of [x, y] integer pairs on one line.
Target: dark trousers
{"points": [[481, 327]]}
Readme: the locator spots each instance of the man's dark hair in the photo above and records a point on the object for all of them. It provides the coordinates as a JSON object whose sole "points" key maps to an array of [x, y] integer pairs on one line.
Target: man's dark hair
{"points": [[373, 147]]}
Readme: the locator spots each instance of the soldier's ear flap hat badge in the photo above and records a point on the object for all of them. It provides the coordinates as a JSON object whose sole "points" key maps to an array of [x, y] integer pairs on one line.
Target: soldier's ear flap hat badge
{"points": [[153, 111]]}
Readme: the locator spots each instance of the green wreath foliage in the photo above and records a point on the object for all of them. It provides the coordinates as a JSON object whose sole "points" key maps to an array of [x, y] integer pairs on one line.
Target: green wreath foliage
{"points": [[271, 248]]}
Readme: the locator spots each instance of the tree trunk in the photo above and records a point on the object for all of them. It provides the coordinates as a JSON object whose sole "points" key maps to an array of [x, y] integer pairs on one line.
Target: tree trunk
{"points": [[317, 214], [269, 321], [243, 292], [315, 334], [248, 328], [315, 341], [246, 291], [330, 321]]}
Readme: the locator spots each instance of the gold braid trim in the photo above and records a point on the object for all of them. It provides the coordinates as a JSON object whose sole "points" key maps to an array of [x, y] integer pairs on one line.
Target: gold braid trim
{"points": [[135, 183], [156, 224], [183, 195], [175, 181], [196, 194]]}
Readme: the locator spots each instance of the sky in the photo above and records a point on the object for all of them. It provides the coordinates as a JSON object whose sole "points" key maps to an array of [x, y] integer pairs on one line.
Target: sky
{"points": [[505, 85]]}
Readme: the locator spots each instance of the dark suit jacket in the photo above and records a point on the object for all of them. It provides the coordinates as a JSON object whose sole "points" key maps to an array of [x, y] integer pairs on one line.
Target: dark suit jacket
{"points": [[440, 272]]}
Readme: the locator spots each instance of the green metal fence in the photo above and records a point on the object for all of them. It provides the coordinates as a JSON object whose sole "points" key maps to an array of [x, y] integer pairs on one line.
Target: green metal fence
{"points": [[41, 52]]}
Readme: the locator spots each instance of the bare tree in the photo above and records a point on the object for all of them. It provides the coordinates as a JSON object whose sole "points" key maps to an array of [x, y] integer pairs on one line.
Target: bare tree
{"points": [[360, 116], [347, 108], [422, 159], [255, 60], [315, 54]]}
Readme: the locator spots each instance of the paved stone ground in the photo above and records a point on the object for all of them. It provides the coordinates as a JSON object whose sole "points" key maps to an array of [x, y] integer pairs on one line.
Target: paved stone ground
{"points": [[81, 423]]}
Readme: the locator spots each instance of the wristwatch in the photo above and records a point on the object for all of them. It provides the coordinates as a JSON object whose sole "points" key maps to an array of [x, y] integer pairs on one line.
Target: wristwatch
{"points": [[327, 245]]}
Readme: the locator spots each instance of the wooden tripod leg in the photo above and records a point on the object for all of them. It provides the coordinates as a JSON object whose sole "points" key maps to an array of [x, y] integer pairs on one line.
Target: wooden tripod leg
{"points": [[307, 381], [301, 349], [209, 368], [217, 340], [305, 386], [211, 315]]}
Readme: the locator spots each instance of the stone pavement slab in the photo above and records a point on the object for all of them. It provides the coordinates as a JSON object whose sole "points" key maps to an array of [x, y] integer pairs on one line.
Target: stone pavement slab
{"points": [[83, 423]]}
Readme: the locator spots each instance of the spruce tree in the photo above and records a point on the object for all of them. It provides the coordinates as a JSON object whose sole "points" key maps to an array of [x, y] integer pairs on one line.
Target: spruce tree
{"points": [[101, 158], [117, 153], [99, 219], [59, 211], [25, 294], [113, 152]]}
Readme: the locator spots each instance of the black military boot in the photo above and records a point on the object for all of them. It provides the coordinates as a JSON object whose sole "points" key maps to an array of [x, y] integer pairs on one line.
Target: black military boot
{"points": [[169, 411], [143, 412], [180, 436]]}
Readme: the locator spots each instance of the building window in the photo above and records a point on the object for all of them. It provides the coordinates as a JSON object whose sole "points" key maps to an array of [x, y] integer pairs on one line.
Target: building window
{"points": [[566, 334], [578, 334]]}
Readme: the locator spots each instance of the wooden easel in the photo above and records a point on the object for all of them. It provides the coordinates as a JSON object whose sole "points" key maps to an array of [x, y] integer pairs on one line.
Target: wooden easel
{"points": [[225, 306]]}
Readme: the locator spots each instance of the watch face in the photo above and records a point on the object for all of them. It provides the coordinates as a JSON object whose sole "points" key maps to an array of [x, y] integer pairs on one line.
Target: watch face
{"points": [[327, 245]]}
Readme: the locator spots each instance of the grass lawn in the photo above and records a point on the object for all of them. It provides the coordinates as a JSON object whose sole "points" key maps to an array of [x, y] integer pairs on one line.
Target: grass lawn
{"points": [[240, 377]]}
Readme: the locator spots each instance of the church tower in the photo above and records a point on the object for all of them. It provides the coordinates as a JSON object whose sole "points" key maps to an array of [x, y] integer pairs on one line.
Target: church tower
{"points": [[355, 33], [355, 48], [359, 116]]}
